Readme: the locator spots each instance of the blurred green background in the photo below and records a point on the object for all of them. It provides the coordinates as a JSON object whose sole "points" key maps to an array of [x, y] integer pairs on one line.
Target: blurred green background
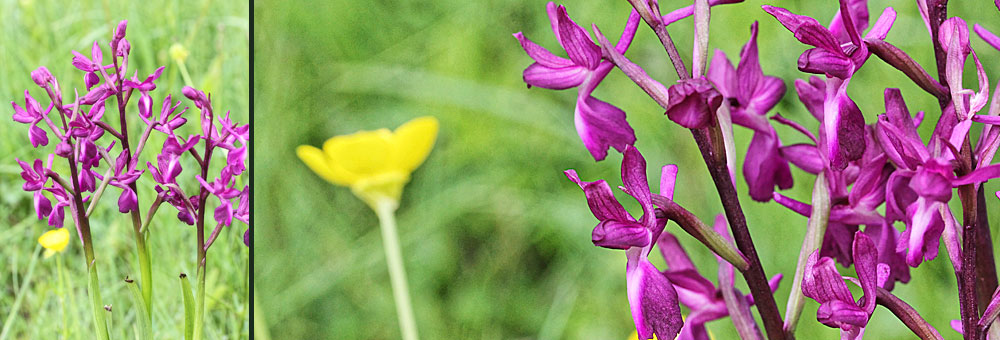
{"points": [[495, 239], [43, 33]]}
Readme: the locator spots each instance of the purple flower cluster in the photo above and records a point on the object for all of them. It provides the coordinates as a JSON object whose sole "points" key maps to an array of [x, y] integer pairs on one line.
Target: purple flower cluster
{"points": [[80, 135], [860, 165]]}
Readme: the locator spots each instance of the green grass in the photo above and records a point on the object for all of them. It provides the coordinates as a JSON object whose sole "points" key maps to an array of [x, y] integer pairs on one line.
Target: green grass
{"points": [[43, 33], [496, 241]]}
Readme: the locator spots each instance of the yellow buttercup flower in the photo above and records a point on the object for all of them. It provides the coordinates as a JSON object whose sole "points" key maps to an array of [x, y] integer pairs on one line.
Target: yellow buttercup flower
{"points": [[374, 164], [54, 241]]}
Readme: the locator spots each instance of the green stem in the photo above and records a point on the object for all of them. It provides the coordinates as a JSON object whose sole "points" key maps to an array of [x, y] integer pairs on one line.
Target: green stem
{"points": [[385, 209], [62, 292], [20, 294], [816, 228]]}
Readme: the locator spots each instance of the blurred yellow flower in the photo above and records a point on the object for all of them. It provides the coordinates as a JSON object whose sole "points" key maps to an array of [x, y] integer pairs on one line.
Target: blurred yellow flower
{"points": [[178, 53], [54, 241], [374, 164]]}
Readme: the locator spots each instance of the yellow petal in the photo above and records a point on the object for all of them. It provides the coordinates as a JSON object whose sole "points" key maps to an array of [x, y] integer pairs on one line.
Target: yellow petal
{"points": [[55, 240], [414, 141], [320, 164], [365, 153]]}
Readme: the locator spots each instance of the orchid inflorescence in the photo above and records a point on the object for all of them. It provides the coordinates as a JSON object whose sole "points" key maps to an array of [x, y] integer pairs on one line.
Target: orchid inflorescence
{"points": [[99, 154], [860, 163]]}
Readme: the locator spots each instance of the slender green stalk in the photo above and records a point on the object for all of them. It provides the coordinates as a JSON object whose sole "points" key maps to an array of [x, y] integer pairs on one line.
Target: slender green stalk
{"points": [[816, 228], [188, 307], [385, 209], [144, 324], [20, 294], [62, 292]]}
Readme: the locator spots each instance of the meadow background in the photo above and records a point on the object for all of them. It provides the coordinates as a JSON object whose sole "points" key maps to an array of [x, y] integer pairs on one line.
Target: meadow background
{"points": [[43, 33], [496, 241]]}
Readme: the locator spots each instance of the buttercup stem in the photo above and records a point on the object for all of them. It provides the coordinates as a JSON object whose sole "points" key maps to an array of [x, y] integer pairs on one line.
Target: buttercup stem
{"points": [[385, 209], [816, 228], [756, 280]]}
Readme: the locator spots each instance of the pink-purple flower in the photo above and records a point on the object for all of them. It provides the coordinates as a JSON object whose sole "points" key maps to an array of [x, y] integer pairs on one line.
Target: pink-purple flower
{"points": [[599, 124], [651, 295]]}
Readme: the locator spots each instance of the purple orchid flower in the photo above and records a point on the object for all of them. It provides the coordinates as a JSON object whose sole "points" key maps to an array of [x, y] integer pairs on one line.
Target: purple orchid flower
{"points": [[838, 51], [599, 124], [32, 114], [651, 295], [750, 95], [837, 307], [841, 137], [918, 192]]}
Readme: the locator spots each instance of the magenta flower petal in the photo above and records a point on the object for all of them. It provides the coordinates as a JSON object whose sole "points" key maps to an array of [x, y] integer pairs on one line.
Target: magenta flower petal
{"points": [[555, 78], [822, 282], [764, 167], [620, 234], [602, 125], [806, 29], [822, 61], [804, 156], [575, 40], [693, 102], [540, 54], [850, 129], [653, 301], [602, 201], [634, 179], [881, 28], [859, 16]]}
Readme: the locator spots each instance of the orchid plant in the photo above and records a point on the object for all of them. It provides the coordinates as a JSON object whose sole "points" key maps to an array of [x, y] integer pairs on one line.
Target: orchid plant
{"points": [[87, 154], [873, 170]]}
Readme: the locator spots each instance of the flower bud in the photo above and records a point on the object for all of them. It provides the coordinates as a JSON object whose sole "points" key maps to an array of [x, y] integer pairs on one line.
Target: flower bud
{"points": [[693, 102], [120, 30], [42, 76]]}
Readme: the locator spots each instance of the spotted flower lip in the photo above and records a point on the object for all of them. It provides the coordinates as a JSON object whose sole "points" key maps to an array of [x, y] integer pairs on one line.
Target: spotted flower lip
{"points": [[374, 164], [599, 124], [651, 295]]}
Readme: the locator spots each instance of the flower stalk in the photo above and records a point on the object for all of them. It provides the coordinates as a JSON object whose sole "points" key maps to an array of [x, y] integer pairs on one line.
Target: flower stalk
{"points": [[756, 279], [386, 211]]}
